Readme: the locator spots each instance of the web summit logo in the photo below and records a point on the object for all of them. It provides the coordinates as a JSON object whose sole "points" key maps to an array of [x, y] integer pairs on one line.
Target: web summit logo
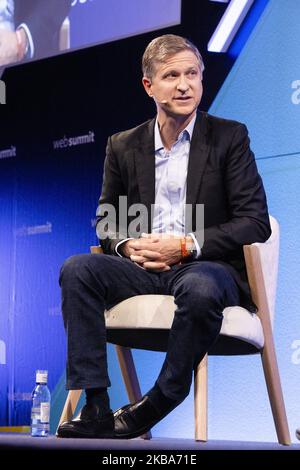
{"points": [[2, 92], [71, 141]]}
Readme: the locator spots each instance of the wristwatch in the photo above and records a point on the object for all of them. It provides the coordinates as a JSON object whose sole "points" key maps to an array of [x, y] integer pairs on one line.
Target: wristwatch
{"points": [[191, 248], [188, 248]]}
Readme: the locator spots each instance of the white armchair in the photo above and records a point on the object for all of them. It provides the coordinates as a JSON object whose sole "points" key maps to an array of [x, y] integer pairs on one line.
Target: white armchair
{"points": [[143, 322]]}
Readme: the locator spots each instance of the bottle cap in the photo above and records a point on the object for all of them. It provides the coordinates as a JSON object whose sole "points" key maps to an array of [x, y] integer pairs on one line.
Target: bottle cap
{"points": [[41, 376]]}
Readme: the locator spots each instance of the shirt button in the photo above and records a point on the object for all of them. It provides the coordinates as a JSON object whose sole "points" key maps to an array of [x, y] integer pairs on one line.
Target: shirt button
{"points": [[173, 186]]}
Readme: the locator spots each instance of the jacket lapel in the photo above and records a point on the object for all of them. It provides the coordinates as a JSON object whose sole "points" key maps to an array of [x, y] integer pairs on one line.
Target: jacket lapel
{"points": [[144, 156], [197, 159]]}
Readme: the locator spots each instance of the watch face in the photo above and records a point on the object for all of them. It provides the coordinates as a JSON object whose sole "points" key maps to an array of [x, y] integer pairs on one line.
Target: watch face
{"points": [[194, 252]]}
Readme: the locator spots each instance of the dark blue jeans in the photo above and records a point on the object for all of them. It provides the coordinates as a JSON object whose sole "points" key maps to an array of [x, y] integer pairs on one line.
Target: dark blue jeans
{"points": [[93, 282]]}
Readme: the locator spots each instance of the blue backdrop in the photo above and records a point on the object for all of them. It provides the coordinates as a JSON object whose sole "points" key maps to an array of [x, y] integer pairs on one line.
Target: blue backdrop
{"points": [[261, 90], [51, 172]]}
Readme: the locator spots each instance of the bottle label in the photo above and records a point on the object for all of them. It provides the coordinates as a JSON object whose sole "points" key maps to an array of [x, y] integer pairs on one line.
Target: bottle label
{"points": [[35, 413], [45, 412]]}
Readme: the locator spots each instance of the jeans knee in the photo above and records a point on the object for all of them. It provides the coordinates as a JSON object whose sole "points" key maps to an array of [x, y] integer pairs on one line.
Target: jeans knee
{"points": [[73, 266], [199, 289]]}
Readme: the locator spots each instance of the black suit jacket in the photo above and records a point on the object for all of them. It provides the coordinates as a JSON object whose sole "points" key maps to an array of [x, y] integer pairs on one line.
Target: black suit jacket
{"points": [[44, 19], [222, 175]]}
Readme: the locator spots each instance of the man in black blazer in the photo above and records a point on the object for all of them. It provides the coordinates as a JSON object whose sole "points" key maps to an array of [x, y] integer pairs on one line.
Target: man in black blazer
{"points": [[36, 29], [180, 158]]}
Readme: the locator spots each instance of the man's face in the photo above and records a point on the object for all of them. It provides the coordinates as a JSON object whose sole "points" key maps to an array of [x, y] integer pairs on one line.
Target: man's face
{"points": [[176, 85]]}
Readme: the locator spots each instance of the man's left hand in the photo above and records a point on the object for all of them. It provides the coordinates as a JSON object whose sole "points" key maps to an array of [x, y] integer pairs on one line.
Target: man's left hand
{"points": [[165, 249]]}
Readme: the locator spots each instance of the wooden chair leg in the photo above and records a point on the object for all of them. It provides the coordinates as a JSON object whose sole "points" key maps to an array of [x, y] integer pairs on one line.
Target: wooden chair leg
{"points": [[70, 406], [272, 378], [130, 377], [268, 354], [200, 400]]}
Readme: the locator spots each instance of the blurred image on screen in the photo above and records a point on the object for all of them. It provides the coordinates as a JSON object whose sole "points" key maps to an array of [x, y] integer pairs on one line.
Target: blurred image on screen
{"points": [[34, 29]]}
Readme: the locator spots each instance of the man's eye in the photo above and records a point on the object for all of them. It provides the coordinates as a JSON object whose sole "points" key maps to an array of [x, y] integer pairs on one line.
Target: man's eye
{"points": [[171, 75]]}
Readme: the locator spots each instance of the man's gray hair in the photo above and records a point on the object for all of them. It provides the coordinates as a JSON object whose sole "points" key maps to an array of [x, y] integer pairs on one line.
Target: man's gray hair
{"points": [[159, 49]]}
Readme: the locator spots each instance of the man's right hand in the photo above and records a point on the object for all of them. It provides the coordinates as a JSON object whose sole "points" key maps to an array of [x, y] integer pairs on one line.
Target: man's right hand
{"points": [[9, 48], [125, 249]]}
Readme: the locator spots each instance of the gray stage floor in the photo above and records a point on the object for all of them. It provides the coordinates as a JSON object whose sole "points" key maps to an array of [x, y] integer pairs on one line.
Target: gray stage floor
{"points": [[137, 453], [24, 441]]}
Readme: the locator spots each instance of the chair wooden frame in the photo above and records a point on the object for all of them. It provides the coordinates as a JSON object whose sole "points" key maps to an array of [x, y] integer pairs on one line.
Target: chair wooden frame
{"points": [[268, 358]]}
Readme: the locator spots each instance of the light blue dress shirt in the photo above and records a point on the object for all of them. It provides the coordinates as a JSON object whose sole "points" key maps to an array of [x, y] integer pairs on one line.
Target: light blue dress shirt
{"points": [[171, 168], [170, 185]]}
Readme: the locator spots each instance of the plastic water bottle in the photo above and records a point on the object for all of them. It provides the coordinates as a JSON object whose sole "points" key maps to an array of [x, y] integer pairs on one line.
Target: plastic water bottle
{"points": [[40, 411]]}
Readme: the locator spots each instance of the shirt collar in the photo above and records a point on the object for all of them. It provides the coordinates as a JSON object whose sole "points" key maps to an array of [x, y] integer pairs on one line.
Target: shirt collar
{"points": [[188, 131]]}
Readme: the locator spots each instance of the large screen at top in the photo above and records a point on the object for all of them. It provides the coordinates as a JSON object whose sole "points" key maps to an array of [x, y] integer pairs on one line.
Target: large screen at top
{"points": [[33, 29]]}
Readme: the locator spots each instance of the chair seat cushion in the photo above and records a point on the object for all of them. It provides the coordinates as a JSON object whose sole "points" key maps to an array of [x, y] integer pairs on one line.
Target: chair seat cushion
{"points": [[157, 312]]}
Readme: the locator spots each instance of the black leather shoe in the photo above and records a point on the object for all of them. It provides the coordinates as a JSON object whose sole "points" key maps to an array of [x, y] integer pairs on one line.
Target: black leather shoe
{"points": [[136, 419], [90, 425]]}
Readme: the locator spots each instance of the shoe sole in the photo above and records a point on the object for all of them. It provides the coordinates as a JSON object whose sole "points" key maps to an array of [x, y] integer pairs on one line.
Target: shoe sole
{"points": [[139, 433], [133, 435], [75, 435]]}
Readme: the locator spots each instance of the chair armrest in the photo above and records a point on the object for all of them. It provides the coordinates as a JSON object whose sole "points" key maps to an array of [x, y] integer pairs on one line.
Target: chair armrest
{"points": [[258, 287], [262, 268], [255, 276]]}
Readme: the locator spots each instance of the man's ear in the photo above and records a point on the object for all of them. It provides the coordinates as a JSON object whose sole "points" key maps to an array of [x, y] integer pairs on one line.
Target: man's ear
{"points": [[147, 85]]}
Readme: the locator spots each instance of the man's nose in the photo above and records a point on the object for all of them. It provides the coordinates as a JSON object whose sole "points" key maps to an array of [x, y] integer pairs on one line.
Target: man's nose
{"points": [[182, 84]]}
